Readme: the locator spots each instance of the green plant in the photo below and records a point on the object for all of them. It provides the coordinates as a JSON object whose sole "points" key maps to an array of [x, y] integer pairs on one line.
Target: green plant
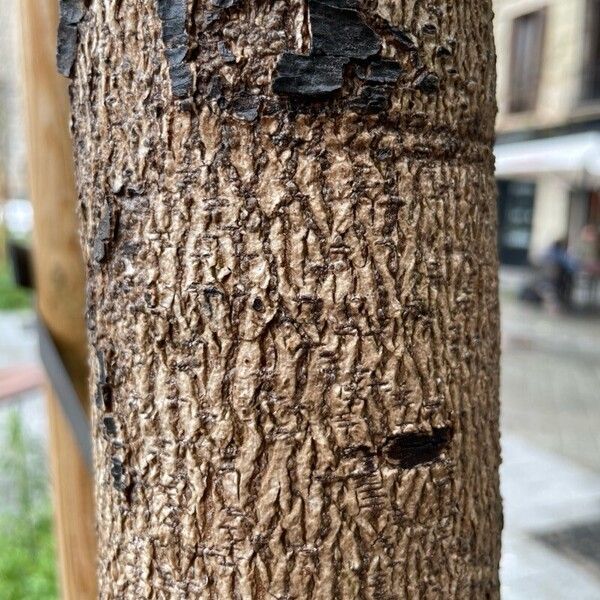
{"points": [[11, 296], [27, 548]]}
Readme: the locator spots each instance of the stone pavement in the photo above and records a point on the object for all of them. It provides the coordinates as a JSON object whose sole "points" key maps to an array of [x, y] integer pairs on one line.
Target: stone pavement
{"points": [[551, 446], [18, 341], [551, 450], [544, 496], [551, 381]]}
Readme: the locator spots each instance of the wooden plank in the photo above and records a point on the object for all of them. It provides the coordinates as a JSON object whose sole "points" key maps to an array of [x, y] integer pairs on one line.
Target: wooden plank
{"points": [[60, 285], [73, 508]]}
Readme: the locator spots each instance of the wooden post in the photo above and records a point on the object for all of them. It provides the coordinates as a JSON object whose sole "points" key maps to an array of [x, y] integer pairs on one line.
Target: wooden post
{"points": [[60, 286]]}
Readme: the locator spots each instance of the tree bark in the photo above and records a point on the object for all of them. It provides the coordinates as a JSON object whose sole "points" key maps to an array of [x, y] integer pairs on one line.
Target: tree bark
{"points": [[288, 210]]}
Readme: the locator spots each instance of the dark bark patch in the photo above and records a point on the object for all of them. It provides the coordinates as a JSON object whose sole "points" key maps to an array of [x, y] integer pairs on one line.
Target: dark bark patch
{"points": [[71, 13], [215, 91], [429, 29], [409, 450], [212, 292], [403, 39], [103, 396], [110, 426], [245, 107], [118, 474], [102, 378], [340, 37], [380, 71], [211, 16], [219, 9], [181, 80], [103, 235], [309, 77], [173, 15], [372, 99], [224, 3], [226, 54], [427, 82], [338, 30]]}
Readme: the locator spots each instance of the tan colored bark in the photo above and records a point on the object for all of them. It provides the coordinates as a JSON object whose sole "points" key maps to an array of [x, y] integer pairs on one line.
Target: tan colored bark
{"points": [[296, 314]]}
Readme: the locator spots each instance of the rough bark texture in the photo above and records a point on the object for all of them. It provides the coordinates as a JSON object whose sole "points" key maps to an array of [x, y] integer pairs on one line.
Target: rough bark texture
{"points": [[289, 215]]}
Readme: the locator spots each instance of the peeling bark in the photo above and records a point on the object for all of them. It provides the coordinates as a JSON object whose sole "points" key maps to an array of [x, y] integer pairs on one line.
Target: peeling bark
{"points": [[173, 14], [71, 13], [295, 313]]}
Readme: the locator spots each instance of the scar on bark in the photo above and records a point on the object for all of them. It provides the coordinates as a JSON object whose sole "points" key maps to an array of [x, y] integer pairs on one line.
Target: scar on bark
{"points": [[409, 450], [339, 37]]}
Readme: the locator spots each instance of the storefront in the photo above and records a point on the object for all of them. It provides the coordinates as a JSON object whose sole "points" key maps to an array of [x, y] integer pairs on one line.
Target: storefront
{"points": [[548, 189]]}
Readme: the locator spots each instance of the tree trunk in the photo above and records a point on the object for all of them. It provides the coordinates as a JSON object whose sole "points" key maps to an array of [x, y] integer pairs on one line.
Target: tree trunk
{"points": [[289, 214]]}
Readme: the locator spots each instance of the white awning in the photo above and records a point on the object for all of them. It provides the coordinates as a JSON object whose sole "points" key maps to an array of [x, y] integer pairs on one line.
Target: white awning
{"points": [[575, 158]]}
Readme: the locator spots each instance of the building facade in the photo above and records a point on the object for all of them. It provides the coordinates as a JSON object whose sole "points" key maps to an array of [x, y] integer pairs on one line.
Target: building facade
{"points": [[13, 156], [548, 143]]}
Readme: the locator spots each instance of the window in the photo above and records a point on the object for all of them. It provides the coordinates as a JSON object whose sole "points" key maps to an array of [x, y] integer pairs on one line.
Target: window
{"points": [[526, 60], [591, 67], [515, 220]]}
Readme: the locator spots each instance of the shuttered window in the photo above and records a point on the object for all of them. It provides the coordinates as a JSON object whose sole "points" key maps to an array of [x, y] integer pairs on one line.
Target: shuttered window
{"points": [[526, 60], [591, 67]]}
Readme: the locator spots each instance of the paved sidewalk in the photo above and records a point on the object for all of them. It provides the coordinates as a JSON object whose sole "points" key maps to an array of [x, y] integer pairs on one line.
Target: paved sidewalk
{"points": [[18, 338], [551, 381], [551, 444], [546, 496]]}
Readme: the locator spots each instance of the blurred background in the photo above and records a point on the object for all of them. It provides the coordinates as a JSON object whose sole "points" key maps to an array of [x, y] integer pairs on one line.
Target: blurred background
{"points": [[548, 171]]}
